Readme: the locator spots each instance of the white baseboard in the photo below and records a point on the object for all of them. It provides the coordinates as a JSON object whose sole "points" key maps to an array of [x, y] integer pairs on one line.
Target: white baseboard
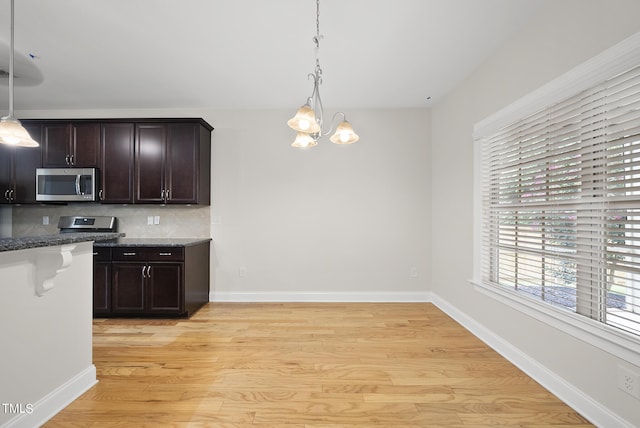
{"points": [[574, 397], [45, 408], [352, 297]]}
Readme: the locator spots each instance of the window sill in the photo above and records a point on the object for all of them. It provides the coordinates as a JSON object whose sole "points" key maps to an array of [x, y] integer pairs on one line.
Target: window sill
{"points": [[609, 339]]}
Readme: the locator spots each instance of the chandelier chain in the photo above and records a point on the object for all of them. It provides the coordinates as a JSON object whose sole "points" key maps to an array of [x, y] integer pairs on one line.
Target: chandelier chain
{"points": [[318, 18], [316, 40]]}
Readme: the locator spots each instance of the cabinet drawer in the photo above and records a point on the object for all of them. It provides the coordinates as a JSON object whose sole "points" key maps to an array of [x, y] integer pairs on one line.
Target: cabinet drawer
{"points": [[148, 254], [128, 253], [161, 254], [101, 254]]}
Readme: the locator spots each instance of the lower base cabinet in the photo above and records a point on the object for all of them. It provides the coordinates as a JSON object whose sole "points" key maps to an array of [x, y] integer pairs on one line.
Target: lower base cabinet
{"points": [[151, 281], [101, 281]]}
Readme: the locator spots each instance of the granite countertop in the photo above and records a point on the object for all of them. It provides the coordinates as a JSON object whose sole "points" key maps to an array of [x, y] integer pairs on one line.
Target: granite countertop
{"points": [[151, 242], [12, 244]]}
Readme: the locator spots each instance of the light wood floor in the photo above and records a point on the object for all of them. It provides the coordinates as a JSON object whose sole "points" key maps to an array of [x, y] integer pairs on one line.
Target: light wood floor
{"points": [[298, 365]]}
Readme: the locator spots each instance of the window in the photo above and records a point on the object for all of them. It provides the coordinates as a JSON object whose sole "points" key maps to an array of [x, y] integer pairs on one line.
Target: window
{"points": [[559, 194]]}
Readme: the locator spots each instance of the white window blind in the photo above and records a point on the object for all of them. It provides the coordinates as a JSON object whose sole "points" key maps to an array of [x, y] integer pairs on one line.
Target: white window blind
{"points": [[560, 197]]}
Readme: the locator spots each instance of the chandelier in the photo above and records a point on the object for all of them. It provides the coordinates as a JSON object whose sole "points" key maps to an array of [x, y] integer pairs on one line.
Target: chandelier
{"points": [[308, 120], [11, 131]]}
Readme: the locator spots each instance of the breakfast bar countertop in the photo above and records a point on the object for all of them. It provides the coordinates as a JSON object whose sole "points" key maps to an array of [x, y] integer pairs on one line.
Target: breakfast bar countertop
{"points": [[13, 244]]}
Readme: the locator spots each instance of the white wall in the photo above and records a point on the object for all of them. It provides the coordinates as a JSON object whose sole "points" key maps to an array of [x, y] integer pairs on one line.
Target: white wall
{"points": [[329, 223], [565, 34]]}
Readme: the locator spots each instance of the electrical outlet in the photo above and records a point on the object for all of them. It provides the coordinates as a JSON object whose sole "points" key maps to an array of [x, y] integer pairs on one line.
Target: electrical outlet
{"points": [[156, 219], [45, 220], [629, 381], [149, 219], [242, 272], [413, 272]]}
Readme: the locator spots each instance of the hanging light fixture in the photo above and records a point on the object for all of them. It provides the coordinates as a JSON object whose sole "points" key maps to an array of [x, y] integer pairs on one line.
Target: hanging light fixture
{"points": [[11, 131], [308, 120]]}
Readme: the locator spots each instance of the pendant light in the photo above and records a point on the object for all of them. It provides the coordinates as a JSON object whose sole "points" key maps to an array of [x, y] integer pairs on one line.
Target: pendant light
{"points": [[309, 118], [11, 131]]}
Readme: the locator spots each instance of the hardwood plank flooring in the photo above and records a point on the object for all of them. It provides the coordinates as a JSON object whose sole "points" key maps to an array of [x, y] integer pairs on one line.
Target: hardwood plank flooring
{"points": [[306, 365]]}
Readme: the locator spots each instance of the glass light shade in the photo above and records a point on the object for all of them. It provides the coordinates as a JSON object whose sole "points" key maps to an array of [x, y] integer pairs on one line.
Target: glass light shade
{"points": [[344, 134], [13, 134], [304, 120], [304, 140]]}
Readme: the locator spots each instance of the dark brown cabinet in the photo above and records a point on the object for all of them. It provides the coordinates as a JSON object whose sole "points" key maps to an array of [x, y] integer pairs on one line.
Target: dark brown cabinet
{"points": [[71, 144], [153, 280], [144, 161], [128, 285], [101, 281], [147, 288], [116, 169], [172, 163], [151, 143], [18, 170]]}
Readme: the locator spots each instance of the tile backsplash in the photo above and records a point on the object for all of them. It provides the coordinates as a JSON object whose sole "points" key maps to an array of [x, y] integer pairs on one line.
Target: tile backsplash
{"points": [[174, 221]]}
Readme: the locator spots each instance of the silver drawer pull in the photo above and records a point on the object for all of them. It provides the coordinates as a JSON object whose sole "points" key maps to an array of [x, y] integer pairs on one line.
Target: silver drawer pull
{"points": [[95, 253], [128, 254], [165, 254]]}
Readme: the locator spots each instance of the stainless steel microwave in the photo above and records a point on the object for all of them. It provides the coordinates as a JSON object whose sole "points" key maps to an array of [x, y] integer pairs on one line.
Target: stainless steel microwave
{"points": [[66, 184]]}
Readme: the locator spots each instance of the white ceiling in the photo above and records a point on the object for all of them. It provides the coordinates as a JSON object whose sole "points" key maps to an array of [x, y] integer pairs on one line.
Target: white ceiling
{"points": [[248, 54]]}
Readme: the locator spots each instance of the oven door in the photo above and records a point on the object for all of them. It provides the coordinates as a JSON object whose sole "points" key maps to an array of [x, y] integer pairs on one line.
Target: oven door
{"points": [[66, 184]]}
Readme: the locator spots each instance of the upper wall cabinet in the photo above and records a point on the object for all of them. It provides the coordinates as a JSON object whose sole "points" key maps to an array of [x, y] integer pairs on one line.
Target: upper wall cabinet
{"points": [[172, 163], [18, 170], [116, 170], [143, 161], [71, 144]]}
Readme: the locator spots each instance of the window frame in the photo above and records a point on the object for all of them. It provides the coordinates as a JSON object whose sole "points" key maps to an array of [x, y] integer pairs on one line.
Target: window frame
{"points": [[614, 60]]}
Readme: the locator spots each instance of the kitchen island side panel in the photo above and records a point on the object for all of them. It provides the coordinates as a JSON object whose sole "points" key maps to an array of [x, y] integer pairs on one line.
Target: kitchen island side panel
{"points": [[46, 357]]}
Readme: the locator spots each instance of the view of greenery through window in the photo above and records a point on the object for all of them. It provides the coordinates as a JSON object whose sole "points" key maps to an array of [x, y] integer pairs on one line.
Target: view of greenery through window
{"points": [[561, 201]]}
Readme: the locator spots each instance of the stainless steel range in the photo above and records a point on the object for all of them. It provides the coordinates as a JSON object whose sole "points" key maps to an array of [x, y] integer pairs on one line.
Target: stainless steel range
{"points": [[68, 224]]}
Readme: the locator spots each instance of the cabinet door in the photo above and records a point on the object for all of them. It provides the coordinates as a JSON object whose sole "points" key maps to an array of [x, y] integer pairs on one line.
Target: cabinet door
{"points": [[85, 150], [165, 289], [101, 288], [56, 142], [151, 140], [127, 286], [25, 162], [182, 163], [116, 169]]}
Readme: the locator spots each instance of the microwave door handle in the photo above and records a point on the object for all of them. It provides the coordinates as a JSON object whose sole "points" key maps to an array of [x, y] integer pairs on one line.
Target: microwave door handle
{"points": [[78, 184]]}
